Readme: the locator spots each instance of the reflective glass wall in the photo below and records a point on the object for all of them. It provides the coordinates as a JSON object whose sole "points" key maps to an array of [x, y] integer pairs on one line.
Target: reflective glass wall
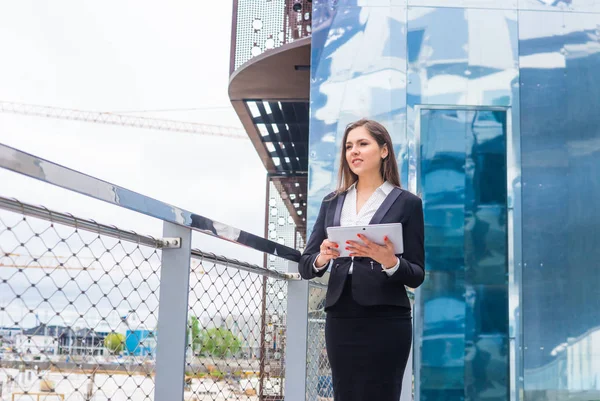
{"points": [[511, 303], [560, 135], [462, 306]]}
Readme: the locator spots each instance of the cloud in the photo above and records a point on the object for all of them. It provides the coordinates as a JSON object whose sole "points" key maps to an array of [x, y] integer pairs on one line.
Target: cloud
{"points": [[115, 56]]}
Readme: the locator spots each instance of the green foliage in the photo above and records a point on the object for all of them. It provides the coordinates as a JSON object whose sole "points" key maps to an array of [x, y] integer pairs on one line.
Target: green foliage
{"points": [[217, 374], [115, 343], [194, 334], [219, 342], [216, 342]]}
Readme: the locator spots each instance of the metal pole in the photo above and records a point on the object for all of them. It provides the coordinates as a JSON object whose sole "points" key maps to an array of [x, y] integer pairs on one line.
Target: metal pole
{"points": [[297, 334], [233, 46], [263, 314], [172, 316], [263, 343], [286, 16]]}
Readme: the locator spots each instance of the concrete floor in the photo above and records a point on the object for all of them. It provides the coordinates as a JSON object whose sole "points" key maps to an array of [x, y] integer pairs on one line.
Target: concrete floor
{"points": [[115, 387]]}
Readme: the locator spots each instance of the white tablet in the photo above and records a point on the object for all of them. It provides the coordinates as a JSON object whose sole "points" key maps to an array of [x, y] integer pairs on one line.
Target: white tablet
{"points": [[374, 232]]}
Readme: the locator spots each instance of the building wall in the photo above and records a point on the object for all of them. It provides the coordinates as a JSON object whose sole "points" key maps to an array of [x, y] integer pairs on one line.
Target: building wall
{"points": [[8, 335], [34, 344], [540, 62]]}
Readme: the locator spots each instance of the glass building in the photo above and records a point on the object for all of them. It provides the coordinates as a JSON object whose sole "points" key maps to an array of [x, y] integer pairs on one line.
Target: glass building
{"points": [[493, 109], [493, 106]]}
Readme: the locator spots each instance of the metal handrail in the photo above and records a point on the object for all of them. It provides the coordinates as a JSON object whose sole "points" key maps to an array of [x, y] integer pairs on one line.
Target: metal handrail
{"points": [[66, 219], [52, 173]]}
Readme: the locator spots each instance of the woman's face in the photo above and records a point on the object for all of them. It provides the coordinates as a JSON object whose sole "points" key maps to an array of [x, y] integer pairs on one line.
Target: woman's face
{"points": [[363, 153]]}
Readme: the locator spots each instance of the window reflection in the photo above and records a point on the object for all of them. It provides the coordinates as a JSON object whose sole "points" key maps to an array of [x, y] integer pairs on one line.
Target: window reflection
{"points": [[544, 65], [464, 339]]}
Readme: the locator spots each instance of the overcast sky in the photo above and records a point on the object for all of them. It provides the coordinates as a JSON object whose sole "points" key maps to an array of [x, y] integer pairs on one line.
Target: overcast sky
{"points": [[123, 56], [120, 57]]}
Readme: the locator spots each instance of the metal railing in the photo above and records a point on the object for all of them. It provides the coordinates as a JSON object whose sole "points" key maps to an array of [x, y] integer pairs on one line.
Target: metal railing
{"points": [[44, 170], [89, 311]]}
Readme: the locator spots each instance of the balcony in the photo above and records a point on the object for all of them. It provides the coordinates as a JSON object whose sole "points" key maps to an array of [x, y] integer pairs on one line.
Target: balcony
{"points": [[91, 311], [269, 89]]}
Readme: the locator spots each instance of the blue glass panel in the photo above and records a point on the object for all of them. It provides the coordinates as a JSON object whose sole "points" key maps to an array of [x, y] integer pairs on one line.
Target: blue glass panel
{"points": [[496, 4], [358, 70], [560, 5], [461, 56], [464, 334], [560, 143], [546, 5], [486, 262], [334, 4]]}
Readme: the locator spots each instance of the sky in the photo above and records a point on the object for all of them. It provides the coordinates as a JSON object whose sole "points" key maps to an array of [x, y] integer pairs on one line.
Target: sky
{"points": [[130, 57]]}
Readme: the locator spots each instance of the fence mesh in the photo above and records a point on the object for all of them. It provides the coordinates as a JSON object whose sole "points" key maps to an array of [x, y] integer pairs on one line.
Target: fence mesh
{"points": [[78, 313], [236, 334], [318, 371]]}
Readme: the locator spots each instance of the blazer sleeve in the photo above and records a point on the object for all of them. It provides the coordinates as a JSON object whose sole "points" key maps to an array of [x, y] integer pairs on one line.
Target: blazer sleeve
{"points": [[313, 246], [411, 271]]}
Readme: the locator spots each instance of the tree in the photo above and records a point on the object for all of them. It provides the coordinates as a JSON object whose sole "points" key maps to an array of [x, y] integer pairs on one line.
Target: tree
{"points": [[115, 343], [219, 342], [195, 336]]}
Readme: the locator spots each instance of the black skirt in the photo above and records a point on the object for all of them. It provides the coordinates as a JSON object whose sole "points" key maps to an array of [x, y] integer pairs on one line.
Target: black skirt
{"points": [[368, 348]]}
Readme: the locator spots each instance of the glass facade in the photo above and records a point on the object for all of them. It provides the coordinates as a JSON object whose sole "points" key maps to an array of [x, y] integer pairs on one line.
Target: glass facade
{"points": [[462, 316], [493, 109], [560, 125]]}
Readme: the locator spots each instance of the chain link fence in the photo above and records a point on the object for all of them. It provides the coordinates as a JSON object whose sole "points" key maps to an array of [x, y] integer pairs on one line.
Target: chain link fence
{"points": [[79, 313], [237, 321], [78, 310], [236, 334], [318, 371]]}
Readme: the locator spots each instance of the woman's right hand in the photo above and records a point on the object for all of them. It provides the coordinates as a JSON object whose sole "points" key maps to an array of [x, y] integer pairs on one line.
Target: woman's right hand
{"points": [[328, 251]]}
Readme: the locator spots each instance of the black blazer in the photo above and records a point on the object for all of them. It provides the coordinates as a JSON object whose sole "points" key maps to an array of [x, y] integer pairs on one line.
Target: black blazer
{"points": [[371, 286]]}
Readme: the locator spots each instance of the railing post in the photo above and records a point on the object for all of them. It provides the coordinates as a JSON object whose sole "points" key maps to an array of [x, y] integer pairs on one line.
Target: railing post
{"points": [[172, 316], [296, 338]]}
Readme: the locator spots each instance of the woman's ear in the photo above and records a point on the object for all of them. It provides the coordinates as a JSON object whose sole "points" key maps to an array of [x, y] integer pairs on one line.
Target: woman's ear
{"points": [[384, 151]]}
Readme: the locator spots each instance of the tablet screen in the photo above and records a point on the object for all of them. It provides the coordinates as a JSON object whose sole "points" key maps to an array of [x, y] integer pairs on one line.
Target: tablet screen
{"points": [[374, 232]]}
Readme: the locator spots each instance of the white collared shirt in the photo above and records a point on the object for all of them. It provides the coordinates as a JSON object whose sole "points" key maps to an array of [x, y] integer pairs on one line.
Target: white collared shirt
{"points": [[349, 217]]}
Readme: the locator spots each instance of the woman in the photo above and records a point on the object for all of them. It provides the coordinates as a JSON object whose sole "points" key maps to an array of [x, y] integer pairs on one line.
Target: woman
{"points": [[368, 330]]}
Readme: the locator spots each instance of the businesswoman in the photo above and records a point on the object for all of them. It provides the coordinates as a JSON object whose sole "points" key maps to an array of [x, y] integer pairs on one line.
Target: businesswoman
{"points": [[368, 329]]}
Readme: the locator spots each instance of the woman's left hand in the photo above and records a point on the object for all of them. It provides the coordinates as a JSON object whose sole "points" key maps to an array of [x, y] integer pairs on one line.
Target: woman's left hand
{"points": [[383, 254]]}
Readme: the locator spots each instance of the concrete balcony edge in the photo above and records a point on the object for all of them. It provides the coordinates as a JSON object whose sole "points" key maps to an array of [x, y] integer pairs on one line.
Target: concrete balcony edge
{"points": [[281, 74]]}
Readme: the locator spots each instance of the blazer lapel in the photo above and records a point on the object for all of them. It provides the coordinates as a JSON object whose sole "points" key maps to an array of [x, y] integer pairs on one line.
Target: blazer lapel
{"points": [[338, 209], [385, 206]]}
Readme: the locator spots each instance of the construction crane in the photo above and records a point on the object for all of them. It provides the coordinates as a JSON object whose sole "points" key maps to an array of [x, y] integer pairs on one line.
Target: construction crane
{"points": [[42, 262], [60, 262], [122, 120]]}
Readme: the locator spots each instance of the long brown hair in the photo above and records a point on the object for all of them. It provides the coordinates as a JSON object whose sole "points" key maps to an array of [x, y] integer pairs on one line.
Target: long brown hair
{"points": [[388, 168]]}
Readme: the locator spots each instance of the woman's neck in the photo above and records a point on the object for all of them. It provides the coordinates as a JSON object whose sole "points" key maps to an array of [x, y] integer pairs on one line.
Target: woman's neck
{"points": [[369, 184]]}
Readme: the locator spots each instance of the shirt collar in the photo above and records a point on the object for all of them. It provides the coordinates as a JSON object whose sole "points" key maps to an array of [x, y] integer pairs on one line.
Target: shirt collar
{"points": [[386, 187]]}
